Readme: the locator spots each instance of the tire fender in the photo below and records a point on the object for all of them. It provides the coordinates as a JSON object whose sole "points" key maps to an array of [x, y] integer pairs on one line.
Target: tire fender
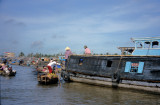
{"points": [[116, 77]]}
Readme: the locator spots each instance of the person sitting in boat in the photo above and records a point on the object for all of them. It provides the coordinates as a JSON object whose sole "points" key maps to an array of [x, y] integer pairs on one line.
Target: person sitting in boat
{"points": [[1, 68], [44, 69], [10, 68], [6, 69], [87, 50], [21, 62], [51, 65]]}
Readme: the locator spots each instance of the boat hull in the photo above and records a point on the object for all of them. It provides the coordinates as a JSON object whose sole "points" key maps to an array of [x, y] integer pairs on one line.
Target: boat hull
{"points": [[8, 74], [98, 66], [44, 79], [110, 70], [130, 85]]}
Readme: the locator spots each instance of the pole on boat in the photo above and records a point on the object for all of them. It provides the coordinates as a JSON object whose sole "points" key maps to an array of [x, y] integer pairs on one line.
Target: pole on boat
{"points": [[45, 79]]}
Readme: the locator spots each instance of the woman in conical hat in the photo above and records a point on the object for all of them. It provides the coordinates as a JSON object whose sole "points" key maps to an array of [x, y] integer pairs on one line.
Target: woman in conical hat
{"points": [[67, 54]]}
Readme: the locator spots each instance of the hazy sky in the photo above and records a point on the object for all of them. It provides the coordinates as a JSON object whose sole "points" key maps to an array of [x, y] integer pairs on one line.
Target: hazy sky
{"points": [[48, 26]]}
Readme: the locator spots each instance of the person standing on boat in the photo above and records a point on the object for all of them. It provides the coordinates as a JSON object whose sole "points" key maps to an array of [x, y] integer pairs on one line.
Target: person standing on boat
{"points": [[68, 52], [51, 65], [87, 50]]}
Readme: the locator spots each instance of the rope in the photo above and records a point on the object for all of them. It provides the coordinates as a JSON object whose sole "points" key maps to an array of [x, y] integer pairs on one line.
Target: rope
{"points": [[118, 64], [67, 62]]}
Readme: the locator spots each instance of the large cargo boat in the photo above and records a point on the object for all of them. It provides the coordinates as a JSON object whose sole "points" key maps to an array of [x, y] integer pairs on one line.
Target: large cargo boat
{"points": [[140, 70]]}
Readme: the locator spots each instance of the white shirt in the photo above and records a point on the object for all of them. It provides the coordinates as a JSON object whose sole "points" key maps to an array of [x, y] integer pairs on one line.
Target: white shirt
{"points": [[52, 64]]}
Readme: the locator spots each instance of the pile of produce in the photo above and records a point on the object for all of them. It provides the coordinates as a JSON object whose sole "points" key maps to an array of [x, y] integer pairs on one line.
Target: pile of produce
{"points": [[52, 75]]}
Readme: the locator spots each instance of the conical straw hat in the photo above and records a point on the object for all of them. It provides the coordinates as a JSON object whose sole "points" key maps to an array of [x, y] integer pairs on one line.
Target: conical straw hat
{"points": [[67, 48]]}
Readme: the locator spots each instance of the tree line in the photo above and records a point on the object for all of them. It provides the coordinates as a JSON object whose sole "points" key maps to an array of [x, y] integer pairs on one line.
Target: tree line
{"points": [[39, 55]]}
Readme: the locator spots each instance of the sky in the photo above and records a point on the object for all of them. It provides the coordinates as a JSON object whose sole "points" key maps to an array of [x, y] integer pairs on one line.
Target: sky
{"points": [[49, 26]]}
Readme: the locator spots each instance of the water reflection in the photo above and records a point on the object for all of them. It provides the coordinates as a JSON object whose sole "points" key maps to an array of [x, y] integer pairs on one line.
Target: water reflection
{"points": [[23, 89]]}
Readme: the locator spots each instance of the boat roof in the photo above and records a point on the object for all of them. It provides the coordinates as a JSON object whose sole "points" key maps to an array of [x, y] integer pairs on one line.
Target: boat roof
{"points": [[145, 39]]}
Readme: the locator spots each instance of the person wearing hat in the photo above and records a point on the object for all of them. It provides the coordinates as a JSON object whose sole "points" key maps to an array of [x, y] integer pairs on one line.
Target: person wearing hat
{"points": [[87, 50], [68, 52]]}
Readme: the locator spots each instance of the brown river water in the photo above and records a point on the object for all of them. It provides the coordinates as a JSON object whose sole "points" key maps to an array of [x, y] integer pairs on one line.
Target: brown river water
{"points": [[23, 89]]}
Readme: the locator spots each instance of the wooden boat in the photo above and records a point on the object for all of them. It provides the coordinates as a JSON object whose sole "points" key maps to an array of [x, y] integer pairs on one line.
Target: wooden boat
{"points": [[10, 73], [141, 70], [44, 78]]}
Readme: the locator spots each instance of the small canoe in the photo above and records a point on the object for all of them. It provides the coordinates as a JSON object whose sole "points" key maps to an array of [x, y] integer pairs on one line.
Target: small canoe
{"points": [[11, 73]]}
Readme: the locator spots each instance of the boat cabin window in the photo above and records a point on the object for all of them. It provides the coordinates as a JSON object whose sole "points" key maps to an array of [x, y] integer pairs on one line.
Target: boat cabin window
{"points": [[134, 67], [155, 44], [147, 44], [139, 44], [80, 61], [109, 63]]}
